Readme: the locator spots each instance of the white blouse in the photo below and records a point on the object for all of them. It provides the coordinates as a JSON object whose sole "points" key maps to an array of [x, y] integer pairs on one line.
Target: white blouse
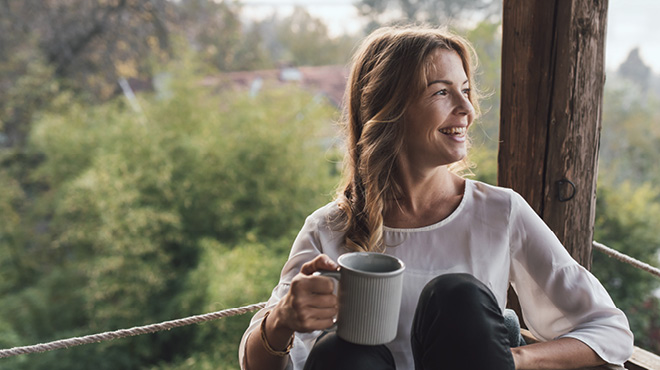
{"points": [[495, 236]]}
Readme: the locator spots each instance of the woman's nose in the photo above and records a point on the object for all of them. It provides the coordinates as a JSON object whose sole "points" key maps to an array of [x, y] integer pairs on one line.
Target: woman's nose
{"points": [[464, 105]]}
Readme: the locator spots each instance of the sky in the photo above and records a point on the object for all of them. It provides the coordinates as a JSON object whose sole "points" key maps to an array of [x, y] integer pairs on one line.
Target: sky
{"points": [[631, 23], [339, 15]]}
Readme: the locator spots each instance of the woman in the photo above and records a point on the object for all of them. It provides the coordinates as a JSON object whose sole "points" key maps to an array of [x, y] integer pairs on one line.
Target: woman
{"points": [[411, 100]]}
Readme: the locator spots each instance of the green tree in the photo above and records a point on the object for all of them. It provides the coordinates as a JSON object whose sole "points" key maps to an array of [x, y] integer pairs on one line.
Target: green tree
{"points": [[630, 138], [487, 41], [306, 41], [219, 37], [626, 220], [79, 45], [428, 11], [136, 213]]}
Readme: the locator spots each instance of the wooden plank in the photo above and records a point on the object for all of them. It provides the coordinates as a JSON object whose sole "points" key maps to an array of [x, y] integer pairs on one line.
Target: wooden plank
{"points": [[575, 123], [527, 36], [643, 360], [525, 102], [552, 87]]}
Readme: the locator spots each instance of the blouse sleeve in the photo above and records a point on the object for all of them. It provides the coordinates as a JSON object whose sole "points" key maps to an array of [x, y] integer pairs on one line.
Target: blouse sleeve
{"points": [[558, 297], [305, 248]]}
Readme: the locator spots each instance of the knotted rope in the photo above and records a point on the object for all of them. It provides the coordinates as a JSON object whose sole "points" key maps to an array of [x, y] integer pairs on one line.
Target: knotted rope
{"points": [[626, 259], [94, 338]]}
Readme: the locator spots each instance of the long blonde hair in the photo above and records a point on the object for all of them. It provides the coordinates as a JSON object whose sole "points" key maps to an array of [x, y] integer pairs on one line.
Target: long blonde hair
{"points": [[388, 71]]}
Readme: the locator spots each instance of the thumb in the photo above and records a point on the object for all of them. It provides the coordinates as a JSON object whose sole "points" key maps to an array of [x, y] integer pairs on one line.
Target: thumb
{"points": [[326, 263], [321, 262]]}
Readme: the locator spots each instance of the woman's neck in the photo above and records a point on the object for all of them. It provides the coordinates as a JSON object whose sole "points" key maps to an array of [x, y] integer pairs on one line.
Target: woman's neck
{"points": [[425, 199]]}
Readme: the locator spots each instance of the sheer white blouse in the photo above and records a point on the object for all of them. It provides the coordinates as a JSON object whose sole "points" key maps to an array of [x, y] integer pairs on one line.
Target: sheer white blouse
{"points": [[495, 236]]}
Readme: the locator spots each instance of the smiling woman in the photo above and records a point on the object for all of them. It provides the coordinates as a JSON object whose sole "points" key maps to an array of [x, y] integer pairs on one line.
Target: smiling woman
{"points": [[436, 122], [411, 101]]}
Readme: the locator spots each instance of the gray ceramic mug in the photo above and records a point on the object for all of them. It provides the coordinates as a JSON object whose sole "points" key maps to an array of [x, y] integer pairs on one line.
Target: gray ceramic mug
{"points": [[370, 286]]}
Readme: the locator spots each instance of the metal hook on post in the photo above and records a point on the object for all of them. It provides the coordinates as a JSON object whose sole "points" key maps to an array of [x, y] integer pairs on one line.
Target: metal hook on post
{"points": [[560, 184]]}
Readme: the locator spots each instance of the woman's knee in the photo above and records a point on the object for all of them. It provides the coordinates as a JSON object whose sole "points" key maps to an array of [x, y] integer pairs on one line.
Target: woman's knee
{"points": [[458, 320], [456, 288]]}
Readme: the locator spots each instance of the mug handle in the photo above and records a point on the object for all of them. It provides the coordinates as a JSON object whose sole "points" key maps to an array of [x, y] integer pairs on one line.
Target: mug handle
{"points": [[337, 276]]}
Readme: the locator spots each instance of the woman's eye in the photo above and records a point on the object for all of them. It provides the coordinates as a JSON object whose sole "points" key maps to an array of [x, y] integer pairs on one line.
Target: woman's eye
{"points": [[442, 92], [466, 91]]}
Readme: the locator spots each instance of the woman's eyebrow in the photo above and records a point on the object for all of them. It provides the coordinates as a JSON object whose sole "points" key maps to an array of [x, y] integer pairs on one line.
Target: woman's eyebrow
{"points": [[444, 82], [440, 82]]}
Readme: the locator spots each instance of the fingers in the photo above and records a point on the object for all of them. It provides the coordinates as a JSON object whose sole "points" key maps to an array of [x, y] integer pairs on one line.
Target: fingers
{"points": [[309, 318], [308, 324], [311, 286], [319, 319], [321, 263], [310, 303], [305, 315]]}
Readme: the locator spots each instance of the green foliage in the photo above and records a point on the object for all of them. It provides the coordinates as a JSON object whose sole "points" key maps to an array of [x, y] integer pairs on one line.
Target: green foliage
{"points": [[306, 41], [630, 136], [626, 220], [26, 84], [484, 160], [111, 218], [140, 219], [487, 41], [484, 135], [12, 198], [228, 277], [427, 11], [628, 207], [297, 39], [238, 47]]}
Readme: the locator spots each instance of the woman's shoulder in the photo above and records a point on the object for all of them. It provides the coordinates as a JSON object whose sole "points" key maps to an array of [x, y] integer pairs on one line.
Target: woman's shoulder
{"points": [[482, 191], [505, 200], [327, 217]]}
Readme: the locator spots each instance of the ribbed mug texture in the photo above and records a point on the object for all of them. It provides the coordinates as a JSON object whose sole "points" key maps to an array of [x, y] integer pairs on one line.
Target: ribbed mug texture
{"points": [[369, 301]]}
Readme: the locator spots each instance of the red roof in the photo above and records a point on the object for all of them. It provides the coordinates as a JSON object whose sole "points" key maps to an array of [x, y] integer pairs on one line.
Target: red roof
{"points": [[327, 80]]}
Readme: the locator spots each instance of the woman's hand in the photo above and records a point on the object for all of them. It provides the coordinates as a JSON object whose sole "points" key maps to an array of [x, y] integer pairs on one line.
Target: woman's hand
{"points": [[562, 353], [310, 303]]}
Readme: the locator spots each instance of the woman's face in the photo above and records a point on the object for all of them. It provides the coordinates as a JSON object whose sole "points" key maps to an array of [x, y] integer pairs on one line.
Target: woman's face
{"points": [[437, 121]]}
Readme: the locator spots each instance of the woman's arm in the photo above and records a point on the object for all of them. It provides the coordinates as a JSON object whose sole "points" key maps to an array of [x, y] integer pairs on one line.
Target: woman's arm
{"points": [[561, 299], [309, 305], [257, 357], [563, 353]]}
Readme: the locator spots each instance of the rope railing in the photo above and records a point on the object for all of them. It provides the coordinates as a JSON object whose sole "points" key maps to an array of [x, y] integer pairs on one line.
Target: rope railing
{"points": [[626, 259], [94, 338], [166, 325]]}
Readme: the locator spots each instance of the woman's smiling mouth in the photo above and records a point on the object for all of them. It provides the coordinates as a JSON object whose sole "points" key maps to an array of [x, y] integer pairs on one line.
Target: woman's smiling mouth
{"points": [[454, 131]]}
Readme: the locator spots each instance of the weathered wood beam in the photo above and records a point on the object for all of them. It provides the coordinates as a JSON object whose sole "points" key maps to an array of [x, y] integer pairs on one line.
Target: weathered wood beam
{"points": [[552, 88]]}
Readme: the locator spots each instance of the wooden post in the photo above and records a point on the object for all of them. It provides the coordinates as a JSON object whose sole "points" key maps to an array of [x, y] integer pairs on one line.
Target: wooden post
{"points": [[552, 88]]}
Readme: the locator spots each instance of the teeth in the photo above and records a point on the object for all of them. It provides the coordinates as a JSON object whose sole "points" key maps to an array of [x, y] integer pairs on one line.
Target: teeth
{"points": [[459, 131]]}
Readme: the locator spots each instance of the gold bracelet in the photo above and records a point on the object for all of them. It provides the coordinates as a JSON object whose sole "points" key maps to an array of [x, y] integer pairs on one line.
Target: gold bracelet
{"points": [[267, 346]]}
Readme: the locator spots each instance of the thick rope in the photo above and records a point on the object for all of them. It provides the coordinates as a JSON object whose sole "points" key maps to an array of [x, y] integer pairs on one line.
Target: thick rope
{"points": [[94, 338], [627, 259], [122, 333]]}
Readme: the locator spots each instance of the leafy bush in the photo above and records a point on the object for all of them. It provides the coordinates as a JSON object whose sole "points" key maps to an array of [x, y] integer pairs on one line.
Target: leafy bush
{"points": [[626, 220], [142, 218]]}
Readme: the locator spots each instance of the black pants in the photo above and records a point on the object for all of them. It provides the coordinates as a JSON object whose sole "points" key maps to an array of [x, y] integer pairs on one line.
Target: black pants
{"points": [[457, 325]]}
